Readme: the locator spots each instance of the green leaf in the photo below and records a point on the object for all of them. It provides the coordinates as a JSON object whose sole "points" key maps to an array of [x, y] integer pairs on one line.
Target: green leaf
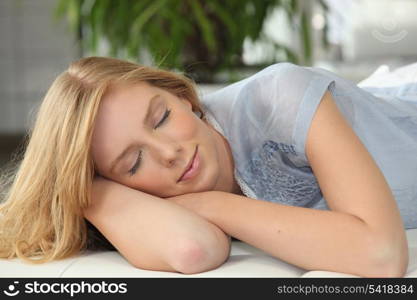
{"points": [[75, 13], [225, 15], [142, 18], [204, 24], [61, 9], [195, 35], [306, 38]]}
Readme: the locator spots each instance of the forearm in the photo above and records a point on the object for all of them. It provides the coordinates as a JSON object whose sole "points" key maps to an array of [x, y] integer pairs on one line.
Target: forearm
{"points": [[308, 238], [153, 233]]}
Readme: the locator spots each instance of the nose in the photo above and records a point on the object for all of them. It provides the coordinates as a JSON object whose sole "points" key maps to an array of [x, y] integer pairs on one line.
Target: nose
{"points": [[167, 153]]}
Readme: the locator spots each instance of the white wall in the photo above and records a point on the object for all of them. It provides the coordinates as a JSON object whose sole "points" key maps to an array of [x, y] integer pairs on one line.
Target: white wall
{"points": [[33, 50]]}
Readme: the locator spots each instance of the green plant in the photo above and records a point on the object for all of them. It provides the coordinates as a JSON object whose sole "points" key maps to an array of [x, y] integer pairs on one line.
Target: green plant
{"points": [[198, 37]]}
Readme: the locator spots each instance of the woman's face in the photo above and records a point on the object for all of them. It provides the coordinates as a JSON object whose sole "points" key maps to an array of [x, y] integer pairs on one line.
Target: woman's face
{"points": [[157, 146]]}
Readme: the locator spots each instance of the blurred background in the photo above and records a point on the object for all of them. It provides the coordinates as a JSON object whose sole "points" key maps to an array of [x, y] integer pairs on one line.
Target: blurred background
{"points": [[212, 41]]}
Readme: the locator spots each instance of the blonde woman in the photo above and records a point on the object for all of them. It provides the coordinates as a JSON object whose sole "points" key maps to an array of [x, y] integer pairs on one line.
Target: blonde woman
{"points": [[295, 161]]}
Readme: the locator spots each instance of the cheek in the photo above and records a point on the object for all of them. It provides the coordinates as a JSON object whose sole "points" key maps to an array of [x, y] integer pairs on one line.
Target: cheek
{"points": [[186, 126]]}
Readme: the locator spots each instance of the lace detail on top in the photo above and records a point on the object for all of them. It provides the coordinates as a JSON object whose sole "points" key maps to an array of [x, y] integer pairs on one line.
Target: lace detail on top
{"points": [[246, 190], [273, 177]]}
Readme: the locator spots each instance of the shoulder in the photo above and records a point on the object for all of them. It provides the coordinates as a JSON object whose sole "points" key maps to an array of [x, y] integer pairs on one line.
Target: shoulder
{"points": [[281, 69], [271, 81]]}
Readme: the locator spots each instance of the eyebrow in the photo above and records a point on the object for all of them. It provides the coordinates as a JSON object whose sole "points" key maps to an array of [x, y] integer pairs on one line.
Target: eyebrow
{"points": [[149, 110]]}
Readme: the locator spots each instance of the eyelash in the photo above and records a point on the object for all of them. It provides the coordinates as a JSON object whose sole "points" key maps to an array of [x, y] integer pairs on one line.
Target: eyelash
{"points": [[133, 170]]}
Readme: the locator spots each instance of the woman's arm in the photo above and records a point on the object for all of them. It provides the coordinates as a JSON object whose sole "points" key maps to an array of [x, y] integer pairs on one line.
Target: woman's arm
{"points": [[363, 232], [308, 238], [155, 234]]}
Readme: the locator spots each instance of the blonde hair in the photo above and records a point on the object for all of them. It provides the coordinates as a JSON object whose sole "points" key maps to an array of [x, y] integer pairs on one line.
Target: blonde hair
{"points": [[45, 190]]}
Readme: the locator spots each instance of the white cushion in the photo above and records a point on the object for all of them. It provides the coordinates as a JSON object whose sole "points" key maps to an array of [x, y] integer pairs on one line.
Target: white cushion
{"points": [[383, 76], [244, 261]]}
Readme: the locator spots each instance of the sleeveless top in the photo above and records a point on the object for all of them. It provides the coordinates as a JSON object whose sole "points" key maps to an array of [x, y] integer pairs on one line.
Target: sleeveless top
{"points": [[266, 117]]}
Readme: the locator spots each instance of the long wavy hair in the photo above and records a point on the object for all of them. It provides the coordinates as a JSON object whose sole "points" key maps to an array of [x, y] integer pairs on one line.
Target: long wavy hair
{"points": [[46, 186]]}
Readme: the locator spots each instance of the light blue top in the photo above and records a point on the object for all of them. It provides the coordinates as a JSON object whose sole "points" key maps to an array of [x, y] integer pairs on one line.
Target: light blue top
{"points": [[266, 117]]}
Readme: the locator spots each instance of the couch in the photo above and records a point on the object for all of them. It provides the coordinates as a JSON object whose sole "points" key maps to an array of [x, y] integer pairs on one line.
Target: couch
{"points": [[244, 261]]}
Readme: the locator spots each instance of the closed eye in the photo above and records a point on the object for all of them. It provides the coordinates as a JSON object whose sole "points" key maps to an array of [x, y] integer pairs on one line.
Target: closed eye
{"points": [[133, 170], [167, 112]]}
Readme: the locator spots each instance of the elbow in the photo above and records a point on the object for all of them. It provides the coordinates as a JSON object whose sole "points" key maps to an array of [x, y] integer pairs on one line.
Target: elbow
{"points": [[389, 261], [394, 267], [191, 258]]}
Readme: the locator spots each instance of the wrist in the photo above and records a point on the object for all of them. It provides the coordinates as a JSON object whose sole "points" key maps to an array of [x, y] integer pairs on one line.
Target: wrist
{"points": [[210, 204]]}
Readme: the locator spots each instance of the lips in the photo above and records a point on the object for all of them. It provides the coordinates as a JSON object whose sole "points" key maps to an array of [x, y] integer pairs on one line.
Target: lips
{"points": [[189, 165]]}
